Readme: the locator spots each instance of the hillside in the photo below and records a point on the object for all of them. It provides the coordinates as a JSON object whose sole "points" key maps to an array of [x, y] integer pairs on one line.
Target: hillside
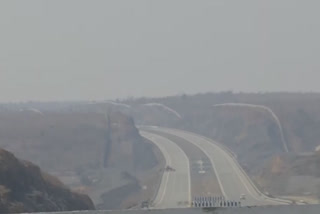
{"points": [[25, 188], [298, 113], [252, 132], [125, 148], [291, 175], [89, 151], [54, 141], [258, 127]]}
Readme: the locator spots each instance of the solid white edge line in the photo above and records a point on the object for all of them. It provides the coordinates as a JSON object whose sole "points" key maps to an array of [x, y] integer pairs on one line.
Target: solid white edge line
{"points": [[166, 175], [184, 154]]}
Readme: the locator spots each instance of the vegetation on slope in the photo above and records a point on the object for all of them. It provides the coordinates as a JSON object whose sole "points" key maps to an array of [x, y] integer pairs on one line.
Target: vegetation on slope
{"points": [[291, 174]]}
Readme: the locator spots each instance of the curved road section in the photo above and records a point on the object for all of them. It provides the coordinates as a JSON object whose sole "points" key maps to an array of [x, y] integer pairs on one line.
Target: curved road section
{"points": [[232, 179], [175, 189]]}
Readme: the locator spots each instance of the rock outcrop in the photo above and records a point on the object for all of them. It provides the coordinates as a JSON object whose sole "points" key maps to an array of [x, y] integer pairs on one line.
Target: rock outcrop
{"points": [[25, 188], [125, 148]]}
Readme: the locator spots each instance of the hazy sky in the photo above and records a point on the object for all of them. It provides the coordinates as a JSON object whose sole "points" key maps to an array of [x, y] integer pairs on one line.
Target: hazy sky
{"points": [[75, 49]]}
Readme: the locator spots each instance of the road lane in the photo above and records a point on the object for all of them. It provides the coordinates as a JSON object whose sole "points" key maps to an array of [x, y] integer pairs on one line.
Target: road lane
{"points": [[174, 190], [203, 179], [233, 181]]}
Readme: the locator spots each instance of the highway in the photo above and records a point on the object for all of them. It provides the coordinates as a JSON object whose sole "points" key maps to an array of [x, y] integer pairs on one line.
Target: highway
{"points": [[204, 182], [232, 179], [175, 187]]}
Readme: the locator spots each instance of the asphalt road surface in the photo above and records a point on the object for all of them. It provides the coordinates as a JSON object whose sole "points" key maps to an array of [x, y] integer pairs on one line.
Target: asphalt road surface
{"points": [[174, 190], [232, 179], [203, 179]]}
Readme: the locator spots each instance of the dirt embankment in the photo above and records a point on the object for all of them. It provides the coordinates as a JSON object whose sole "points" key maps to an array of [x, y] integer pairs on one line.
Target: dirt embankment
{"points": [[295, 175]]}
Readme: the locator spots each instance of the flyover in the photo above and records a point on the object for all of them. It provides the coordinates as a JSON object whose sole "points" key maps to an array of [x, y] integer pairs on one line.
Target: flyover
{"points": [[231, 177]]}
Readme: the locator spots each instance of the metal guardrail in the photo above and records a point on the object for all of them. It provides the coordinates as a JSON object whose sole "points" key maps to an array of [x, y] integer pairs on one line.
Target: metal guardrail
{"points": [[214, 201]]}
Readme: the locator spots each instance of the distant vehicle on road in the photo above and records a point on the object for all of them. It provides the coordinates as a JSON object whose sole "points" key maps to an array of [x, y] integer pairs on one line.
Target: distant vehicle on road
{"points": [[170, 169], [302, 202], [145, 204], [242, 197]]}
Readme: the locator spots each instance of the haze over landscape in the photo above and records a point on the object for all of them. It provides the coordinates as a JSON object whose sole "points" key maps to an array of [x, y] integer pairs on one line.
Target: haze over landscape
{"points": [[81, 50], [168, 106]]}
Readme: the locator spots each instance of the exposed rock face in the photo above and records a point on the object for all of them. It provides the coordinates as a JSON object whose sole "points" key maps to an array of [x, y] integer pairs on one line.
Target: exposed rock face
{"points": [[125, 148], [25, 188]]}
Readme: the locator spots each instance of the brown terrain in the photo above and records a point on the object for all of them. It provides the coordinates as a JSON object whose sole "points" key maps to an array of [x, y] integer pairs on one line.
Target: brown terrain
{"points": [[296, 175], [90, 152], [25, 188]]}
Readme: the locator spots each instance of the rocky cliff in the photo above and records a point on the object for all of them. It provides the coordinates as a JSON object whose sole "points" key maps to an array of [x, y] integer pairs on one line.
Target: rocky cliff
{"points": [[25, 188], [125, 148]]}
